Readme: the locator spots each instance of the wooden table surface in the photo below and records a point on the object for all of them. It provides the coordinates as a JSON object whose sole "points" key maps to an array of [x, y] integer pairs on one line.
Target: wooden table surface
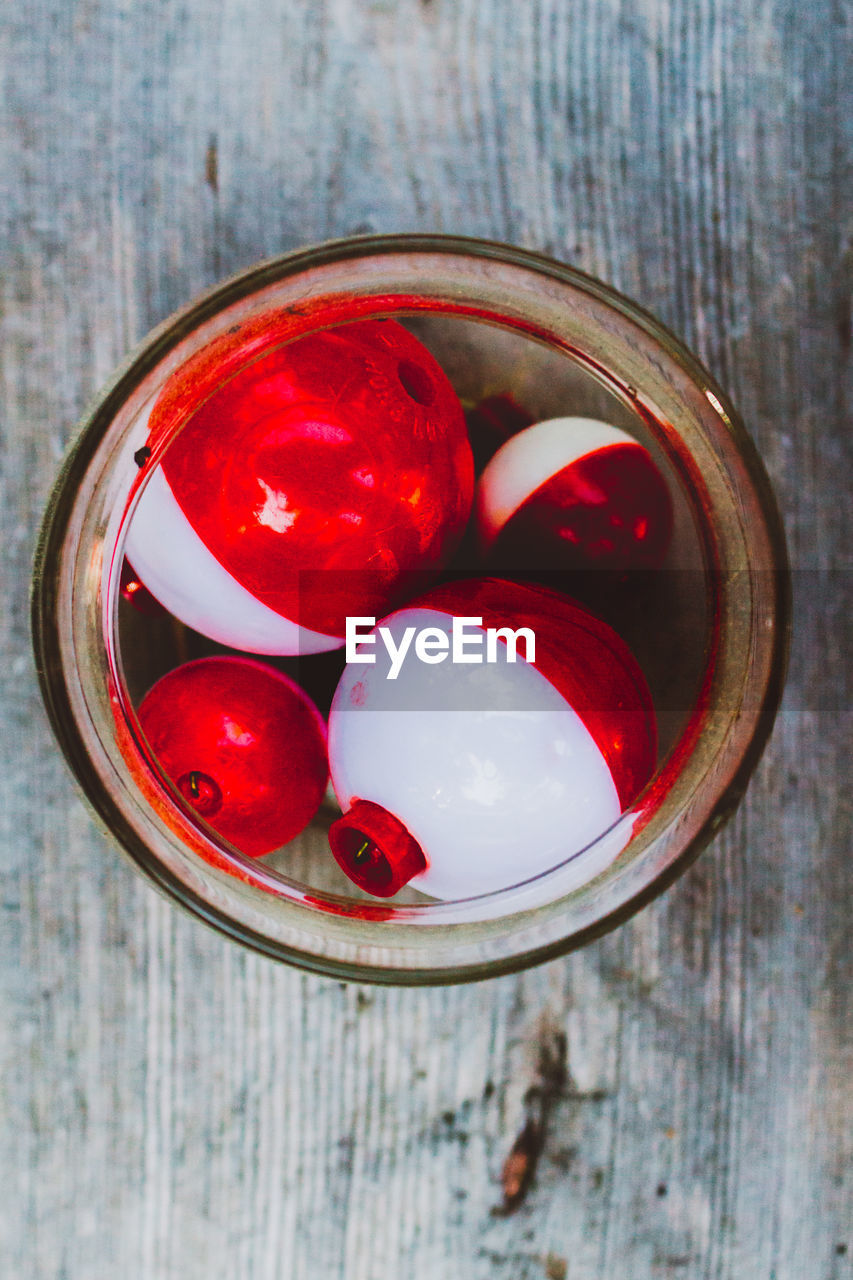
{"points": [[173, 1108]]}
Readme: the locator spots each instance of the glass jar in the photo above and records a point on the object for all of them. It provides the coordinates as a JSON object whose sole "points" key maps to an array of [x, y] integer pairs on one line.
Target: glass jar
{"points": [[498, 318]]}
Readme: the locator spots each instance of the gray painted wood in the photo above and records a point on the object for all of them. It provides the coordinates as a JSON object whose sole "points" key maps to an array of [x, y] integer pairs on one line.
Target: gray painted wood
{"points": [[171, 1108]]}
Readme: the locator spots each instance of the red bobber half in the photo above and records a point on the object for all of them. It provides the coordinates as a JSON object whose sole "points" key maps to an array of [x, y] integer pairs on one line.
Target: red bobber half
{"points": [[573, 493], [317, 483], [499, 730], [244, 746], [137, 595]]}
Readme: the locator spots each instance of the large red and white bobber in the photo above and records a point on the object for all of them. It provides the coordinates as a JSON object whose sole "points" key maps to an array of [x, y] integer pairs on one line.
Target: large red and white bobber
{"points": [[317, 483], [465, 777], [244, 745], [573, 493]]}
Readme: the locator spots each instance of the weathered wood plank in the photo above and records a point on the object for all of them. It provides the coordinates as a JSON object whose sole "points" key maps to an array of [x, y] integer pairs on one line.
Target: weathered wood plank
{"points": [[174, 1108]]}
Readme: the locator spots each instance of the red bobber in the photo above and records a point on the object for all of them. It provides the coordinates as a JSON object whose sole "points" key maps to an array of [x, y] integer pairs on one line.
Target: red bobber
{"points": [[136, 594], [476, 760], [573, 493], [317, 483], [243, 744]]}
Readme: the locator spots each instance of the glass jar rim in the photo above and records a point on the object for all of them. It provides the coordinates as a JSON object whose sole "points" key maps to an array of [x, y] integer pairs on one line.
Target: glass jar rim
{"points": [[63, 512]]}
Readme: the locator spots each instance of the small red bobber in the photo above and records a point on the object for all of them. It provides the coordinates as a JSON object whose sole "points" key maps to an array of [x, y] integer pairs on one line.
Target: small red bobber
{"points": [[243, 744], [134, 593], [317, 483], [573, 493], [467, 761]]}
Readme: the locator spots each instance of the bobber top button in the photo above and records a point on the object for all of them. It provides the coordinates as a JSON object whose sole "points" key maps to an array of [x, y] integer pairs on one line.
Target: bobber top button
{"points": [[375, 849]]}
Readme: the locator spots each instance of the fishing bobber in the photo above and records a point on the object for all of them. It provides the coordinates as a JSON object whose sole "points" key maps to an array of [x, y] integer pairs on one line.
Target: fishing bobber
{"points": [[244, 746], [466, 759], [134, 593], [573, 493], [321, 481]]}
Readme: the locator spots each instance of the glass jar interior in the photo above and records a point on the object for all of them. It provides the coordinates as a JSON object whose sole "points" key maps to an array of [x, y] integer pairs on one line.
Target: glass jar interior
{"points": [[485, 360]]}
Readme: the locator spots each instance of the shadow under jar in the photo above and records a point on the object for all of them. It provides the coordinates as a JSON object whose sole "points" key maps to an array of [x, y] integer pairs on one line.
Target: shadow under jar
{"points": [[709, 629]]}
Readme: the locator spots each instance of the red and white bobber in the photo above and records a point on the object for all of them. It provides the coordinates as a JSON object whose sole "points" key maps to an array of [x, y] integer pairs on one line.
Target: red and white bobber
{"points": [[464, 778], [244, 745], [573, 493], [316, 483]]}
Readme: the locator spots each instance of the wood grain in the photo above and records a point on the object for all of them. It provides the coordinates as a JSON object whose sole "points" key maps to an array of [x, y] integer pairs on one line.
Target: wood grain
{"points": [[172, 1108]]}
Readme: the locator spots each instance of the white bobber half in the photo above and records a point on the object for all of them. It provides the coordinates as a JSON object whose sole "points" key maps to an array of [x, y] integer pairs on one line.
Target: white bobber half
{"points": [[573, 493], [182, 573], [465, 777]]}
